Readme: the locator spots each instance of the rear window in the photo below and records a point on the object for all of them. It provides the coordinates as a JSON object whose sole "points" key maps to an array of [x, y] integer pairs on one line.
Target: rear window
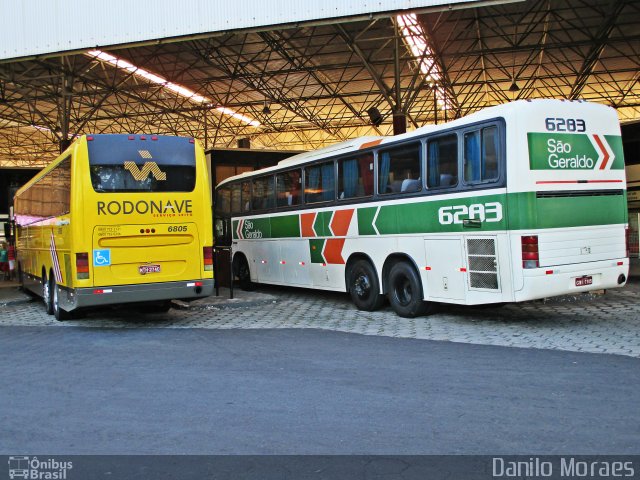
{"points": [[165, 164]]}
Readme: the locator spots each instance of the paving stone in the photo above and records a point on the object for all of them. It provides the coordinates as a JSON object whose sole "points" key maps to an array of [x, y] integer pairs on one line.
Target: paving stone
{"points": [[600, 323]]}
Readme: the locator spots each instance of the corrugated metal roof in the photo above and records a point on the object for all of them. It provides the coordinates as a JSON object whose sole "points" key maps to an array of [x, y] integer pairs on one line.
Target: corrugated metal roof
{"points": [[45, 26]]}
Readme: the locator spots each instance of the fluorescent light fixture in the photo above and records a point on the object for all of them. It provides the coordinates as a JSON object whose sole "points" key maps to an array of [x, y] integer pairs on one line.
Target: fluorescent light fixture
{"points": [[163, 82], [416, 39]]}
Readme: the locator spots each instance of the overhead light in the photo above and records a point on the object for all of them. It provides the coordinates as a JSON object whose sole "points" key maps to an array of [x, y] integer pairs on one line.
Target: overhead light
{"points": [[266, 110], [514, 87], [416, 39], [174, 87]]}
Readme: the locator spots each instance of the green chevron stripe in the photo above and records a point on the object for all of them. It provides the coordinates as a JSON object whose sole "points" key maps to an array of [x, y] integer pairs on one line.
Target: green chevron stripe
{"points": [[321, 225], [316, 245], [615, 142], [365, 220]]}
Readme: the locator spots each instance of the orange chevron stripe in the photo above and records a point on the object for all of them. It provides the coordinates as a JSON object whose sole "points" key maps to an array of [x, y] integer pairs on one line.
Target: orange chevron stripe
{"points": [[370, 144], [340, 222], [306, 224], [333, 250]]}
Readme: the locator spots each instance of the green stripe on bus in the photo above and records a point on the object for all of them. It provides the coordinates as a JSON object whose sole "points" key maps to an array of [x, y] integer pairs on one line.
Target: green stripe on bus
{"points": [[285, 226], [528, 212], [483, 213], [426, 217]]}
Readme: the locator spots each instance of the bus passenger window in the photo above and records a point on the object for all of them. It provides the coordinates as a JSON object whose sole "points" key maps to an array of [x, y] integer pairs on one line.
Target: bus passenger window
{"points": [[355, 176], [262, 198], [223, 201], [288, 188], [399, 170], [481, 155], [235, 198], [442, 161], [319, 183], [246, 196]]}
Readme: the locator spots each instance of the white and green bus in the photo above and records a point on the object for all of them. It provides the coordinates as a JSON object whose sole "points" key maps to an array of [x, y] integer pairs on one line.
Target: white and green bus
{"points": [[516, 202]]}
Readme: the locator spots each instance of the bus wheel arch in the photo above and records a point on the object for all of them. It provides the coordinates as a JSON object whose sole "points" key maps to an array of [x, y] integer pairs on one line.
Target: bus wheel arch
{"points": [[403, 286], [242, 270], [363, 283]]}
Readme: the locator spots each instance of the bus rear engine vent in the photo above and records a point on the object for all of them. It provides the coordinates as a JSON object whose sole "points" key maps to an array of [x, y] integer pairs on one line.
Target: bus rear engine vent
{"points": [[483, 264]]}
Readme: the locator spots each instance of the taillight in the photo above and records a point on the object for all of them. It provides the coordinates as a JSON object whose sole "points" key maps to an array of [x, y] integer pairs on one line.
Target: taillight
{"points": [[530, 255], [82, 265], [207, 253]]}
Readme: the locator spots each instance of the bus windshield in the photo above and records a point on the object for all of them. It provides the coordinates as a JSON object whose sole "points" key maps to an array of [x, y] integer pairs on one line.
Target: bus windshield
{"points": [[159, 164]]}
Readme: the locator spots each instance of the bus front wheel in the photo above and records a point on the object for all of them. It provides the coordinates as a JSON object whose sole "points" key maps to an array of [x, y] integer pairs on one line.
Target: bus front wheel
{"points": [[405, 291], [364, 286], [241, 270]]}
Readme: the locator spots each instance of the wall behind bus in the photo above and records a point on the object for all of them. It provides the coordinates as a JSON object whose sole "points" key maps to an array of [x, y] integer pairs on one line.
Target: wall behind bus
{"points": [[11, 179]]}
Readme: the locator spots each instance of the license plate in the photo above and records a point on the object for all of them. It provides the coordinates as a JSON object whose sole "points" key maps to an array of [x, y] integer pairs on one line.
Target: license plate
{"points": [[144, 269], [582, 281]]}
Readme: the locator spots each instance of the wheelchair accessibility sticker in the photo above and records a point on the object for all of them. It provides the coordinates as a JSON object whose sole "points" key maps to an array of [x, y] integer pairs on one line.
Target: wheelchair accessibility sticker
{"points": [[102, 258]]}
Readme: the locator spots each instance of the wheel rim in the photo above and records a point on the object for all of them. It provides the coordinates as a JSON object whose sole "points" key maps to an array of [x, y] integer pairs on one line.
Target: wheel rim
{"points": [[362, 285], [56, 307], [402, 291], [46, 292]]}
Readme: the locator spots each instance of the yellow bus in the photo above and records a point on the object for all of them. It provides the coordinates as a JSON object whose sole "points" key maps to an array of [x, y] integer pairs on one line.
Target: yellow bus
{"points": [[117, 219]]}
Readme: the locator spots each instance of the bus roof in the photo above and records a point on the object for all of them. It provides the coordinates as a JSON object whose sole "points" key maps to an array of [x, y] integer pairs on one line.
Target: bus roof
{"points": [[356, 144]]}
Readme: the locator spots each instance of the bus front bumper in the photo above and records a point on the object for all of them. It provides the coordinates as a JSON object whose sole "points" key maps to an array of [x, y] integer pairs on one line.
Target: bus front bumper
{"points": [[119, 294]]}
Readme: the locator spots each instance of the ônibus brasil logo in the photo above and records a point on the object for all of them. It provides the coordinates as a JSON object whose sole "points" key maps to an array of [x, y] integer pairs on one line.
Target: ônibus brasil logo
{"points": [[38, 469], [569, 151]]}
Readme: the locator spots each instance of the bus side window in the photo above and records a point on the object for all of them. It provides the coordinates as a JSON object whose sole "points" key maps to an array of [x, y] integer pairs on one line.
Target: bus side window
{"points": [[442, 161], [355, 176], [288, 186], [246, 196], [481, 155], [399, 170], [263, 190], [235, 198], [319, 183], [223, 202]]}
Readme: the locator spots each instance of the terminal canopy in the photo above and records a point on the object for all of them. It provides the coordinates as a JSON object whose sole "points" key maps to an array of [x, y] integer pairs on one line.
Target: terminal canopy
{"points": [[306, 85]]}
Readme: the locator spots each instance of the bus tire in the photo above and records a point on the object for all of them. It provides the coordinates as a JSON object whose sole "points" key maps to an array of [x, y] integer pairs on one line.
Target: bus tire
{"points": [[364, 286], [58, 312], [241, 270], [46, 294], [21, 278], [405, 291]]}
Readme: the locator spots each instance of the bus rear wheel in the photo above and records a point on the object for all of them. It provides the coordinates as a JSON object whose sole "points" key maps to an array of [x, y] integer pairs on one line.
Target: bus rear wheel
{"points": [[405, 291], [364, 286], [46, 294], [58, 312]]}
